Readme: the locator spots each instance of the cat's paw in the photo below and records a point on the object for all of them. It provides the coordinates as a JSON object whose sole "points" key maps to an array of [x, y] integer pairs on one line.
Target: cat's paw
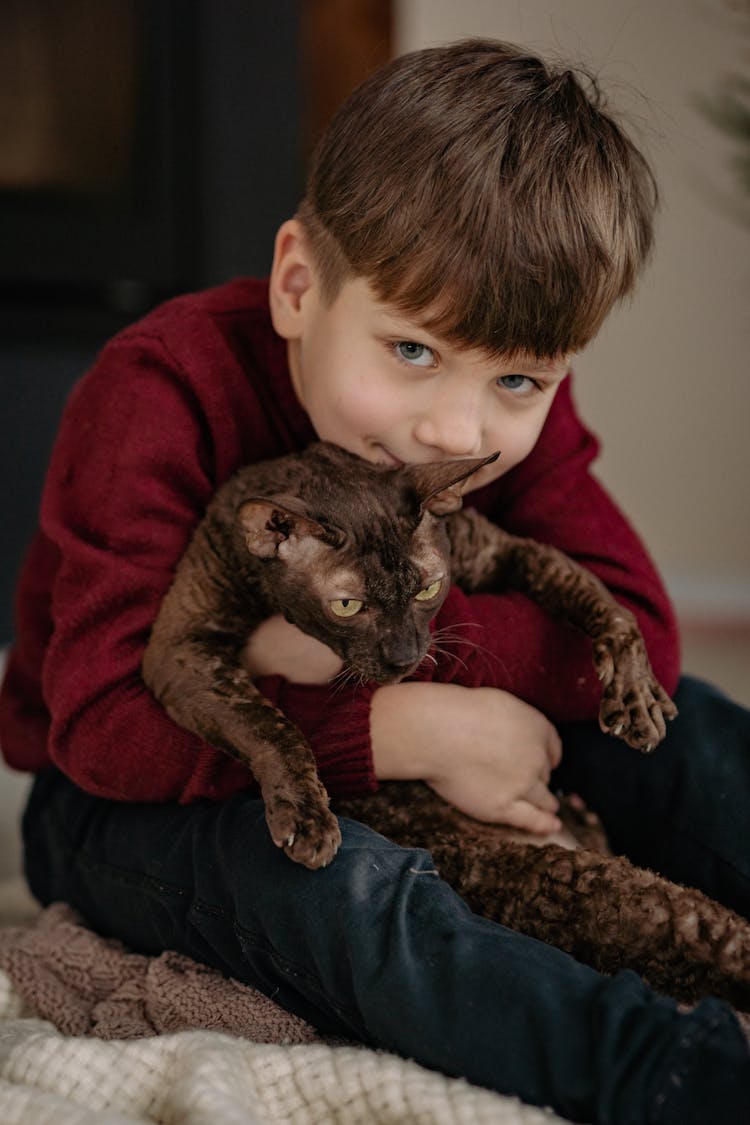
{"points": [[308, 832], [634, 705]]}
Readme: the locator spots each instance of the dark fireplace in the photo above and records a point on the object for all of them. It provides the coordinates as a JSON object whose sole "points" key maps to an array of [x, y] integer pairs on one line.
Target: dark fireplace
{"points": [[148, 145]]}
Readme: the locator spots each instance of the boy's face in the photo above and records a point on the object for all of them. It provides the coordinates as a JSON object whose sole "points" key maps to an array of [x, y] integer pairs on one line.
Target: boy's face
{"points": [[377, 383]]}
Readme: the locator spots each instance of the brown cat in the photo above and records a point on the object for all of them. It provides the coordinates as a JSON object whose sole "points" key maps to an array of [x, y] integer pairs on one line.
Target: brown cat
{"points": [[361, 556]]}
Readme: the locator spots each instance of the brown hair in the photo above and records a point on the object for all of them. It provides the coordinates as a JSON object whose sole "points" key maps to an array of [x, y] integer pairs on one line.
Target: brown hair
{"points": [[485, 190]]}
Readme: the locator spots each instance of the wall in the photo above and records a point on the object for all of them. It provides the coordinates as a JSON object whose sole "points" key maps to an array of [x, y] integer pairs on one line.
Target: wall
{"points": [[667, 383]]}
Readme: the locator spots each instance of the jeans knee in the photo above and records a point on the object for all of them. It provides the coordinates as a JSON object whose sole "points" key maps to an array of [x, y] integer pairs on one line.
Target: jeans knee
{"points": [[370, 857]]}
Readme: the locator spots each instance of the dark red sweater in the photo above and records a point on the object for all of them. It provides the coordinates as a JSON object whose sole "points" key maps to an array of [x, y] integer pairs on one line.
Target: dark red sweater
{"points": [[171, 408]]}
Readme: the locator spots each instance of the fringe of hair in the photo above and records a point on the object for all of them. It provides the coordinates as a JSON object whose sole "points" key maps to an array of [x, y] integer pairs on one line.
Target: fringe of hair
{"points": [[489, 193]]}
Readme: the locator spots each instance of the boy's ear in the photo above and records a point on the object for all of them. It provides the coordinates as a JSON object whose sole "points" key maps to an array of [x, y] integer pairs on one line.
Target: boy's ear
{"points": [[292, 276]]}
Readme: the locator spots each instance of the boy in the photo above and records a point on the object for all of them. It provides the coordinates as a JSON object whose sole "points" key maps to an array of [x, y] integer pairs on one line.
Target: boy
{"points": [[470, 218]]}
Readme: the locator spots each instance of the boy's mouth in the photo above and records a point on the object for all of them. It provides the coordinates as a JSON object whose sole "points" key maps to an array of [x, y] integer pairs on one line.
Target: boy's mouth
{"points": [[387, 458]]}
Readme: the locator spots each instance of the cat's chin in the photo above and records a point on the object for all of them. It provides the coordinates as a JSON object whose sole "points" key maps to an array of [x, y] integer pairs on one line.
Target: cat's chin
{"points": [[383, 679]]}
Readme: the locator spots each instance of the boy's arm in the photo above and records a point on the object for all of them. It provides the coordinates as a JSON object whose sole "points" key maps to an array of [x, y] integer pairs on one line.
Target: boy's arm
{"points": [[126, 484], [130, 476]]}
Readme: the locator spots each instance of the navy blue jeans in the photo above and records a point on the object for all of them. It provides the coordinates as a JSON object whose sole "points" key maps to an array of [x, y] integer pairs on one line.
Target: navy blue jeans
{"points": [[378, 948]]}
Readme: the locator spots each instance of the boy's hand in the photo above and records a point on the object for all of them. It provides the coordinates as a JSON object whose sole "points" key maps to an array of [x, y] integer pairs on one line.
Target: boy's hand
{"points": [[483, 750], [277, 648]]}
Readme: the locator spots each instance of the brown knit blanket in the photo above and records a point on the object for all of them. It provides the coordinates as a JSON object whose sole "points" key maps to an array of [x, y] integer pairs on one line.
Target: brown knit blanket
{"points": [[87, 985]]}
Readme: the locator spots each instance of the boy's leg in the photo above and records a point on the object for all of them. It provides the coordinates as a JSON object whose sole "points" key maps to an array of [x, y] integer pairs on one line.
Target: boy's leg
{"points": [[377, 947], [684, 810]]}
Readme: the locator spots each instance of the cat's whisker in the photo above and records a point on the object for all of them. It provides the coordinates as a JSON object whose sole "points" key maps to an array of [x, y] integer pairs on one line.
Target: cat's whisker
{"points": [[461, 625], [451, 655], [450, 635], [454, 638], [344, 676], [455, 628], [446, 640]]}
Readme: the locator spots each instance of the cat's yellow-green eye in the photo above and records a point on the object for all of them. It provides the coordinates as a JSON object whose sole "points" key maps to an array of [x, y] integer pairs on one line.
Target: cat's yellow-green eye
{"points": [[429, 591], [346, 607]]}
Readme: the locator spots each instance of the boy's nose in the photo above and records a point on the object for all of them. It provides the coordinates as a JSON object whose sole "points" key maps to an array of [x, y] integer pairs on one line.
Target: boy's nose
{"points": [[452, 427]]}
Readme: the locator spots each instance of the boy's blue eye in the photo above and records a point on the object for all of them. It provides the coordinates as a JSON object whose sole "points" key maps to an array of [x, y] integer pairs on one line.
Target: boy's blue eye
{"points": [[516, 382], [417, 354]]}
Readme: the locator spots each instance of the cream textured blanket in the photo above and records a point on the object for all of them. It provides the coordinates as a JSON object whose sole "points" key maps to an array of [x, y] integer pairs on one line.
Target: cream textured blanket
{"points": [[91, 1034]]}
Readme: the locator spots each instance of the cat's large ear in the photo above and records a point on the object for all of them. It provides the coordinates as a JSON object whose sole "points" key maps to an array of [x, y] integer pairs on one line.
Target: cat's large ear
{"points": [[268, 522], [437, 481]]}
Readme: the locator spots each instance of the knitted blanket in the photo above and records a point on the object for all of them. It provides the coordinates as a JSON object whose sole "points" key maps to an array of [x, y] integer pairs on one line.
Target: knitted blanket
{"points": [[92, 1034]]}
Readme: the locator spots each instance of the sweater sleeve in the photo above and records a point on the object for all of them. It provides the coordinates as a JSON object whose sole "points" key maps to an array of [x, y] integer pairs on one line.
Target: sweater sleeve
{"points": [[128, 480]]}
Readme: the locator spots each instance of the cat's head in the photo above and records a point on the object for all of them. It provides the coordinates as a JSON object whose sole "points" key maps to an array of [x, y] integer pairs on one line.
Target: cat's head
{"points": [[359, 556]]}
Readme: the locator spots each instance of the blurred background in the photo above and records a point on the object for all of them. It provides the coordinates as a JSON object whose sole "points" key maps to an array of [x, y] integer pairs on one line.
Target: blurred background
{"points": [[149, 147]]}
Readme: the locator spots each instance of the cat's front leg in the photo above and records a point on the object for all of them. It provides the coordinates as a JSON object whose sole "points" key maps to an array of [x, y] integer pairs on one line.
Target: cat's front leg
{"points": [[296, 802], [204, 691], [250, 728], [634, 705]]}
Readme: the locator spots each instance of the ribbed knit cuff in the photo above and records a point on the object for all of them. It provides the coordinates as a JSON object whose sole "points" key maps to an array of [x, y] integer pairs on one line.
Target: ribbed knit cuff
{"points": [[336, 723]]}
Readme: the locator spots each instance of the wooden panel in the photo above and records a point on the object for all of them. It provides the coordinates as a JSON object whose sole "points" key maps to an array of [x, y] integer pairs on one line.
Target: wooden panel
{"points": [[342, 41]]}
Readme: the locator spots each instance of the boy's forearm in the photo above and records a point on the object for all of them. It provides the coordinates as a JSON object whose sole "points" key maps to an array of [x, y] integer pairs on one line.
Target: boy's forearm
{"points": [[395, 710]]}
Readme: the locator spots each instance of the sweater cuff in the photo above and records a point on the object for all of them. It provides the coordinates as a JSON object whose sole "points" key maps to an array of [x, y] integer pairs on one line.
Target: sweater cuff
{"points": [[336, 723]]}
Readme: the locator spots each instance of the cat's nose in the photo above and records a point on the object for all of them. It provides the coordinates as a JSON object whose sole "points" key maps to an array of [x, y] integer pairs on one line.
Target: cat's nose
{"points": [[399, 655]]}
